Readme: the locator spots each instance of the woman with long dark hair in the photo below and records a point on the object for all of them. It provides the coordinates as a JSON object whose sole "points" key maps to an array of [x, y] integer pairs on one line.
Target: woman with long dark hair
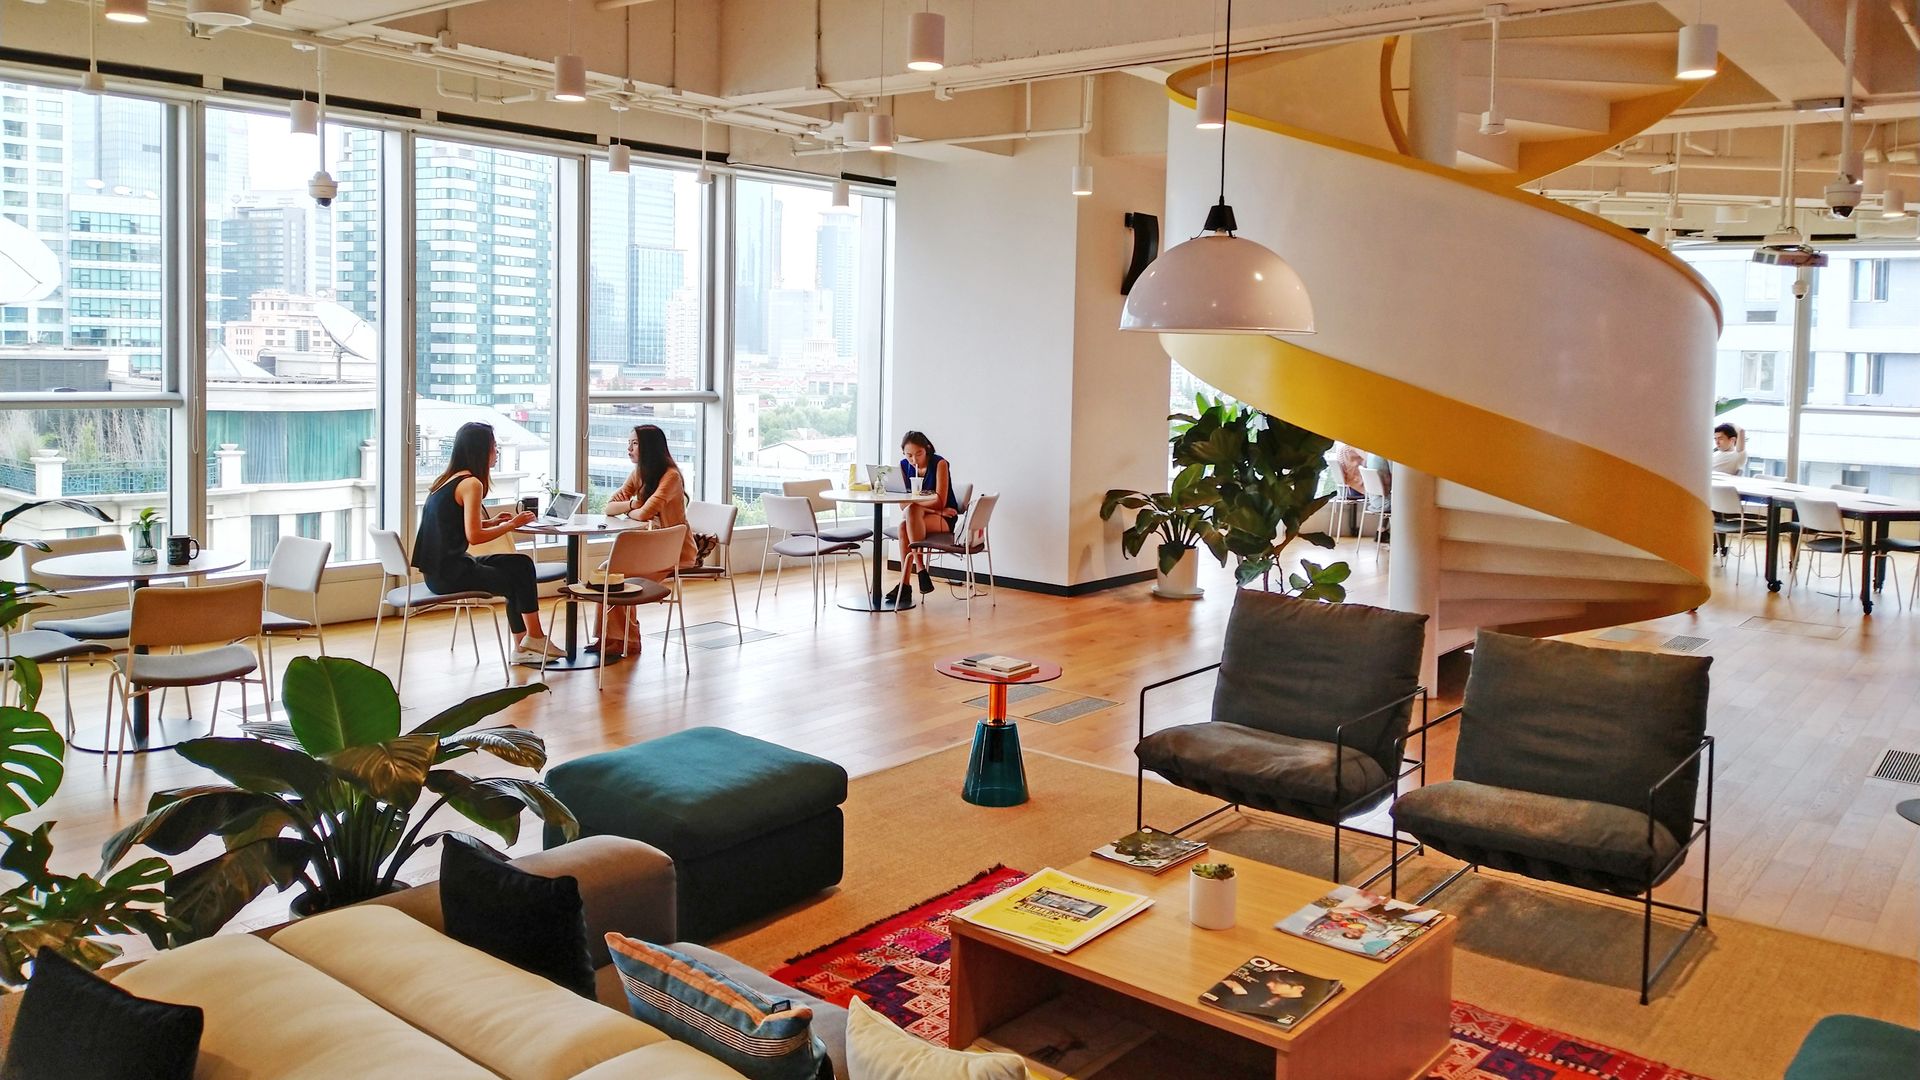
{"points": [[923, 470], [656, 492], [455, 517]]}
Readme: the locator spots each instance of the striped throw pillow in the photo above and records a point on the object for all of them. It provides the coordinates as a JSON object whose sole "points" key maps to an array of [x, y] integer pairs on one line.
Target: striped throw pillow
{"points": [[758, 1037]]}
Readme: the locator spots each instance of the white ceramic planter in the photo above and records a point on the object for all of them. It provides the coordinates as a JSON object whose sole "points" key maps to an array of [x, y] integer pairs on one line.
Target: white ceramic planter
{"points": [[1211, 902], [1183, 583]]}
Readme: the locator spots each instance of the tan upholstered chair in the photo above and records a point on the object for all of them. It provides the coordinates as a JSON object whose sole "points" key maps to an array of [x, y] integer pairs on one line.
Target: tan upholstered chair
{"points": [[649, 560]]}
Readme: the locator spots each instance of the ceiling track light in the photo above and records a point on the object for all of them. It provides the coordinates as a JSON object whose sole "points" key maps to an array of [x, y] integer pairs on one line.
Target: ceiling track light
{"points": [[220, 13], [1493, 121], [926, 41], [126, 11]]}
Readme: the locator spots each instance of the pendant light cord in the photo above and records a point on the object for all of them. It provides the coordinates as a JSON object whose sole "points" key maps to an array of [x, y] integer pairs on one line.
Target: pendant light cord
{"points": [[1226, 84]]}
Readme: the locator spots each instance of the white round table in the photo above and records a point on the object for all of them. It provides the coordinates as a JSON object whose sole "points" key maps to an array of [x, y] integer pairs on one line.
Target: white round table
{"points": [[119, 566], [876, 599], [577, 529]]}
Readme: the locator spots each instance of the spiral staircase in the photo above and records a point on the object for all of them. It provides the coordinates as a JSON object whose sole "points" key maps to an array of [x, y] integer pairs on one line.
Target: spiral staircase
{"points": [[1551, 370]]}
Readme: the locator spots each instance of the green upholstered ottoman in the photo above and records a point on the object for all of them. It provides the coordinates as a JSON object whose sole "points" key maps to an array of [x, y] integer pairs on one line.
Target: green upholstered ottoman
{"points": [[751, 827], [1855, 1048]]}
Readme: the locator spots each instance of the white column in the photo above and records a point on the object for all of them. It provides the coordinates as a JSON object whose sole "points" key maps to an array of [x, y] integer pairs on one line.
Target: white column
{"points": [[230, 457], [49, 474]]}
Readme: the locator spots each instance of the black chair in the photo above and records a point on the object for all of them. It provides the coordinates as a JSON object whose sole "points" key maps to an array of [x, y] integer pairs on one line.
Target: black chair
{"points": [[1310, 715], [1578, 766]]}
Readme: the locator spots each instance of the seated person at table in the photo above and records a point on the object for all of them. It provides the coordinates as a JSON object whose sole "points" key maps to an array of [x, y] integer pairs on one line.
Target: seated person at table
{"points": [[656, 492], [1729, 450], [922, 469], [453, 518]]}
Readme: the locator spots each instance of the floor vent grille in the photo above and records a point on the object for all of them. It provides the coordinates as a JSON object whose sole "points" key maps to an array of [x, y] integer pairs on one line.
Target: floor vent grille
{"points": [[1683, 643], [1900, 765]]}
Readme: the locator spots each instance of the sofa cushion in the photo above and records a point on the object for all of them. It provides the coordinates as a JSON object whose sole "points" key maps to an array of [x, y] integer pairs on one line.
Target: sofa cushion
{"points": [[320, 1029], [1854, 1047], [763, 1038], [877, 1050], [535, 923], [75, 1023], [667, 1060], [519, 1025], [829, 1020], [1261, 769], [1541, 836], [697, 791]]}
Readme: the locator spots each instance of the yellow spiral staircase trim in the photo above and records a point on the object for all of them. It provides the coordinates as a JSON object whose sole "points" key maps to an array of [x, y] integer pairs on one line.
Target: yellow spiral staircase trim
{"points": [[1480, 449]]}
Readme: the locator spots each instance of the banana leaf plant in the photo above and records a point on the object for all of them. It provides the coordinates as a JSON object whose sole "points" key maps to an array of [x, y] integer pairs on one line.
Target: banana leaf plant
{"points": [[328, 800]]}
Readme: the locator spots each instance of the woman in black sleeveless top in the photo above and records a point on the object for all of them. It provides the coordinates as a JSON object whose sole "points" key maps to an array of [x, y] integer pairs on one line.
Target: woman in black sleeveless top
{"points": [[453, 518]]}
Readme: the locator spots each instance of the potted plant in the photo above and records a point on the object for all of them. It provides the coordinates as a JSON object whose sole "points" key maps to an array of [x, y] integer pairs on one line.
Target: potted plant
{"points": [[1212, 895], [328, 800], [1182, 520], [146, 534]]}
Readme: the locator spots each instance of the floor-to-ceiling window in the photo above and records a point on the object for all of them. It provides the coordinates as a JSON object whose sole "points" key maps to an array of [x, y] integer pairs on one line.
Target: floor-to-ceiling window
{"points": [[85, 384]]}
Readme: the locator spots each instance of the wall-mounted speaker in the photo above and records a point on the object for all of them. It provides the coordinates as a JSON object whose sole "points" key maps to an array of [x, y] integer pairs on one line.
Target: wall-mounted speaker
{"points": [[1146, 247]]}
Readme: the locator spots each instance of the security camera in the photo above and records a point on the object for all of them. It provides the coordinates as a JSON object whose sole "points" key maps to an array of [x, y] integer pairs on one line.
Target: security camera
{"points": [[1800, 288], [323, 188], [1842, 196]]}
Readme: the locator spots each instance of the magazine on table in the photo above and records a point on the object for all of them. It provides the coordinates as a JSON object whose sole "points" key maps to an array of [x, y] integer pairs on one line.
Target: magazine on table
{"points": [[1271, 991], [1066, 1038], [1054, 911], [1360, 922], [1150, 850]]}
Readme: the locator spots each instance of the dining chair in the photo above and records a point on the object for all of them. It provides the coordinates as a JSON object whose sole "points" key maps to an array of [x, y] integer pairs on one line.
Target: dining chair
{"points": [[1735, 526], [716, 520], [649, 562], [48, 647], [1824, 532], [968, 540], [296, 567], [814, 492], [1378, 504], [793, 516], [410, 596], [223, 616], [109, 626]]}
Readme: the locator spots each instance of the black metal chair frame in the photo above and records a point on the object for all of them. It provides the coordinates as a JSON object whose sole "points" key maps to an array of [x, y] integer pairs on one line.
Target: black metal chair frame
{"points": [[1390, 788], [1702, 832]]}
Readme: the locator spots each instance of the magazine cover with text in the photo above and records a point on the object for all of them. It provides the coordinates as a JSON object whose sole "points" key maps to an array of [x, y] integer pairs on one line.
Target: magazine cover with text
{"points": [[1360, 922], [1271, 991], [1053, 910], [1150, 849]]}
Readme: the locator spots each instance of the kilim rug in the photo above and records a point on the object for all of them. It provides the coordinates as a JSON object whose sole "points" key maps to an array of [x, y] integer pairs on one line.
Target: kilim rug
{"points": [[898, 966]]}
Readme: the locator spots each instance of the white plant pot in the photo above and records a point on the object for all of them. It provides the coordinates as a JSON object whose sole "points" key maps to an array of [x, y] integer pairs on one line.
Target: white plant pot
{"points": [[1182, 584], [1211, 902]]}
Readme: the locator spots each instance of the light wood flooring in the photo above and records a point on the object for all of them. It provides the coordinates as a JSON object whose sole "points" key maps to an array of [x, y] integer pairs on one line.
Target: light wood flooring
{"points": [[1803, 707]]}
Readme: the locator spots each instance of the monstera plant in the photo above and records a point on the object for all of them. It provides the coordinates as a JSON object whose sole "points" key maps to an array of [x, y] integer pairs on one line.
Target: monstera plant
{"points": [[328, 800]]}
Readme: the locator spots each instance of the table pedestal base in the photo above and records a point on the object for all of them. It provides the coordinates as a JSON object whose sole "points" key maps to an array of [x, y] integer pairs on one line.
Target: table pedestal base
{"points": [[1910, 810], [160, 735], [996, 776]]}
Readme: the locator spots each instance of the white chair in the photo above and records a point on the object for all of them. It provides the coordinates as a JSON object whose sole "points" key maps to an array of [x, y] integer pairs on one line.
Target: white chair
{"points": [[1736, 528], [968, 540], [1824, 532], [812, 491], [649, 561], [409, 596], [716, 520], [110, 626], [1377, 504], [48, 647], [296, 567], [218, 615], [1337, 507], [793, 516]]}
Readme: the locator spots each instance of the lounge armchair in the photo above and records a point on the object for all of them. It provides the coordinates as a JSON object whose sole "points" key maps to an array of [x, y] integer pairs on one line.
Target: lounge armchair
{"points": [[1310, 715], [1578, 766]]}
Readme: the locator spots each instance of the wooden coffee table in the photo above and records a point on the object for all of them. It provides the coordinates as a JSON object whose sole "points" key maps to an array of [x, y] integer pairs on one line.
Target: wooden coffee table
{"points": [[1390, 1022]]}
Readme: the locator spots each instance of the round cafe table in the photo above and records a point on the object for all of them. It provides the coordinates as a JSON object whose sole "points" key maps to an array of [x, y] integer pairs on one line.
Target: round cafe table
{"points": [[876, 598], [577, 529], [105, 566], [996, 775]]}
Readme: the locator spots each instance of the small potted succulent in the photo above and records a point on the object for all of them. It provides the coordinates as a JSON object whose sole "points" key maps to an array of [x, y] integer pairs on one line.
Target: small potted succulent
{"points": [[146, 534], [1213, 894]]}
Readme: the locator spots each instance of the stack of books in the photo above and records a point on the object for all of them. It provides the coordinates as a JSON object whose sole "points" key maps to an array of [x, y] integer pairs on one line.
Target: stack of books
{"points": [[1150, 850], [1276, 993], [1053, 911], [1360, 922], [1005, 667]]}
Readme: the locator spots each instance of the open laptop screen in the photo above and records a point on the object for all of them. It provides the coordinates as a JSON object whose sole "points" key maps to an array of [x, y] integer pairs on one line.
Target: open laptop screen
{"points": [[565, 504]]}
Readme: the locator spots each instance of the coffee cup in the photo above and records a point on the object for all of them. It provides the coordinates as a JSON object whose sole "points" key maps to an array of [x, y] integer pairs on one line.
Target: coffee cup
{"points": [[530, 503], [182, 550]]}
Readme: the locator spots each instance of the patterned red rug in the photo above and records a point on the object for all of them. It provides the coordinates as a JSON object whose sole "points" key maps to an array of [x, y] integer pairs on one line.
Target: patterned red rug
{"points": [[899, 967]]}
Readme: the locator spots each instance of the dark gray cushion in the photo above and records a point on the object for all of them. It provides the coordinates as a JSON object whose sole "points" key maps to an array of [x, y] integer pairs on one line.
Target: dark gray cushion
{"points": [[1590, 844], [191, 669], [1302, 668], [107, 627], [1584, 723], [1261, 769]]}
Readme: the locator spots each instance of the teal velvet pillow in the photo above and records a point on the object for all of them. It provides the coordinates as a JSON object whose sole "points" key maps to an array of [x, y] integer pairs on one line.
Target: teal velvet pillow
{"points": [[759, 1037]]}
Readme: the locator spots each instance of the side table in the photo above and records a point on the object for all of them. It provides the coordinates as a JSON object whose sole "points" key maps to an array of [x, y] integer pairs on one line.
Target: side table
{"points": [[996, 775]]}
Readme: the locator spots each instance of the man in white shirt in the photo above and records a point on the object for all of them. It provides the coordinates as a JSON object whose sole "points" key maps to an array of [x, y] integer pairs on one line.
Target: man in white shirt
{"points": [[1729, 456]]}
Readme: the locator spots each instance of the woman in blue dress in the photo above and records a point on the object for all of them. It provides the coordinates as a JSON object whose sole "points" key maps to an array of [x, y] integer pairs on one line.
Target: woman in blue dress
{"points": [[923, 470]]}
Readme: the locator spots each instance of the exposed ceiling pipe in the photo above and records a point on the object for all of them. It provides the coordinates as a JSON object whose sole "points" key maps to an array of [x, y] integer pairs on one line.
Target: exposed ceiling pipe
{"points": [[424, 9], [474, 95], [1027, 133], [1661, 164], [1849, 168]]}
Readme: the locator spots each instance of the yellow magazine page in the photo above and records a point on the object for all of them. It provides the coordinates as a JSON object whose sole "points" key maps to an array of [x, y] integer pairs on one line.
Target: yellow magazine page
{"points": [[1054, 909]]}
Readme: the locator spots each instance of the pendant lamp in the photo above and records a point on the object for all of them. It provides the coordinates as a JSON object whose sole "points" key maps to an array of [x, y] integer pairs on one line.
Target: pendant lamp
{"points": [[842, 195], [126, 11], [220, 12], [1698, 55], [1893, 203], [1219, 283], [880, 133], [854, 123], [570, 70], [926, 41]]}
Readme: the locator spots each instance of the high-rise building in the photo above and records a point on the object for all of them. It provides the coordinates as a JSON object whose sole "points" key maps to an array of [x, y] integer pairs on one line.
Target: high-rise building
{"points": [[656, 274], [635, 266], [266, 248], [756, 263], [836, 264]]}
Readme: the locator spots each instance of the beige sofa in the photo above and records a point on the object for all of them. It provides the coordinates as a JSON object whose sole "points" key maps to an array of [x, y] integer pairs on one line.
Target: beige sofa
{"points": [[377, 991]]}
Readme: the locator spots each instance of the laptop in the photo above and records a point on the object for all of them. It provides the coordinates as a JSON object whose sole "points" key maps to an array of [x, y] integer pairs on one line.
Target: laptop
{"points": [[563, 506], [895, 482]]}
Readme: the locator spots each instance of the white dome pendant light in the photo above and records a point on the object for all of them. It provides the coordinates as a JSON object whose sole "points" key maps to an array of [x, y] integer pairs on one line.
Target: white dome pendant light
{"points": [[1219, 283], [926, 41], [1493, 122], [1698, 56]]}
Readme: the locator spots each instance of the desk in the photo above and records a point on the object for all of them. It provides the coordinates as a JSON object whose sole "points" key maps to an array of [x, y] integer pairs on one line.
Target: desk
{"points": [[876, 599], [119, 566], [576, 529], [1873, 512]]}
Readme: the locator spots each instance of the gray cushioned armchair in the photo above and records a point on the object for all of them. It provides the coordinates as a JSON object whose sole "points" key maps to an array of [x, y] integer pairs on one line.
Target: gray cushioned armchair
{"points": [[1575, 765], [1310, 713]]}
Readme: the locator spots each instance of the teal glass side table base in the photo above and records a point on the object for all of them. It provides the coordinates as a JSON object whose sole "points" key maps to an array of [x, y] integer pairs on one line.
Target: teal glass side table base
{"points": [[996, 775]]}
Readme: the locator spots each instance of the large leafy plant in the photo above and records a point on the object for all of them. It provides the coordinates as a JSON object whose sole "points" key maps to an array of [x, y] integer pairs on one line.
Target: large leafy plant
{"points": [[1181, 518], [68, 913], [328, 800]]}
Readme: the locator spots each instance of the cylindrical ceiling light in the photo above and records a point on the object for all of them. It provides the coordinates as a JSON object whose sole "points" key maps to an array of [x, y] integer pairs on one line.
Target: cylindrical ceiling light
{"points": [[1893, 202], [126, 11], [842, 195], [880, 133], [1493, 121], [1210, 108], [1083, 180], [1699, 52], [569, 78], [619, 158], [220, 12], [303, 116], [926, 41], [854, 124]]}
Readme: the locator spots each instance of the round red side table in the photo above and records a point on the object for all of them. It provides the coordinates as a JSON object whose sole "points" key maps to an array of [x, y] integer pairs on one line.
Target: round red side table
{"points": [[996, 775]]}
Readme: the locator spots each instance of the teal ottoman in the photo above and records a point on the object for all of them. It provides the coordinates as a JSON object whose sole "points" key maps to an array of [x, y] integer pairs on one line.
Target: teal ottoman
{"points": [[751, 827], [1856, 1048]]}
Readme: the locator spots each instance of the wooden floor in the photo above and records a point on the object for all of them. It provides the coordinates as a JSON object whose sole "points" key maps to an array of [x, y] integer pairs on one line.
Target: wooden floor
{"points": [[1804, 707]]}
